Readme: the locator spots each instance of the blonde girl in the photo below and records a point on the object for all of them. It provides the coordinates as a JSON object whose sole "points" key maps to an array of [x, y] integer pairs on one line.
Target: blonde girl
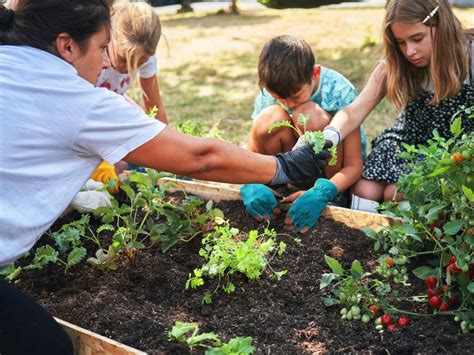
{"points": [[427, 73], [136, 30]]}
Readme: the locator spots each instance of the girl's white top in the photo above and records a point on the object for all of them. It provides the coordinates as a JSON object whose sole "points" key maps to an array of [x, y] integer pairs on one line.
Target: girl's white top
{"points": [[117, 82], [55, 129]]}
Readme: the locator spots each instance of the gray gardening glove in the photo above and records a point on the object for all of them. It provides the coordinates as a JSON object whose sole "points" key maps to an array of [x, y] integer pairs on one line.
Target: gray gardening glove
{"points": [[300, 165]]}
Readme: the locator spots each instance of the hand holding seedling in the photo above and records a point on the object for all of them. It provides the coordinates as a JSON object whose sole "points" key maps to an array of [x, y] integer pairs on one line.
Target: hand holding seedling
{"points": [[260, 201]]}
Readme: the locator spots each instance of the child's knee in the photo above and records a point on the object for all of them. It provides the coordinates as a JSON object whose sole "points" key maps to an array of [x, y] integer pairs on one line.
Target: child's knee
{"points": [[371, 190], [318, 118], [265, 119]]}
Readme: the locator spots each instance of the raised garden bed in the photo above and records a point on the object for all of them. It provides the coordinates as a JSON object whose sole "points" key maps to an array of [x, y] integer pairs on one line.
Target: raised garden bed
{"points": [[138, 304]]}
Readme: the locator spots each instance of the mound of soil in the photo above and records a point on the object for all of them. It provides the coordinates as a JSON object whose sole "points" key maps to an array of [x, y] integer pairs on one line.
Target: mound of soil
{"points": [[138, 304]]}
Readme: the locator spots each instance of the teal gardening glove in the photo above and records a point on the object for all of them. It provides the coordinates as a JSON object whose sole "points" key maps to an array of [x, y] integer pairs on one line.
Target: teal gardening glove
{"points": [[259, 200], [305, 211]]}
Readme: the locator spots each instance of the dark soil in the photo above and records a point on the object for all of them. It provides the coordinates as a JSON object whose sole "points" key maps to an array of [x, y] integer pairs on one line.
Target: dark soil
{"points": [[137, 305]]}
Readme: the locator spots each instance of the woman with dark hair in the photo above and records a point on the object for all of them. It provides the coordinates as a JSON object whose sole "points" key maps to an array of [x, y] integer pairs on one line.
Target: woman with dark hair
{"points": [[56, 128]]}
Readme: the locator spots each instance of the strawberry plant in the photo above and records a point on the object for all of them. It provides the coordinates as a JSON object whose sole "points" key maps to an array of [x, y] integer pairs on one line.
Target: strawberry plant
{"points": [[227, 251], [209, 341], [315, 138], [149, 219]]}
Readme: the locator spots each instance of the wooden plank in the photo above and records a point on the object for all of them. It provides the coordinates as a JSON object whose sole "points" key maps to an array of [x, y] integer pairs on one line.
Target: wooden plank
{"points": [[89, 343], [226, 192], [357, 219], [206, 190]]}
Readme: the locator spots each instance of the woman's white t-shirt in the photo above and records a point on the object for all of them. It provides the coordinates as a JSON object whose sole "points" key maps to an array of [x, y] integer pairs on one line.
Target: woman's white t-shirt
{"points": [[55, 129], [117, 82]]}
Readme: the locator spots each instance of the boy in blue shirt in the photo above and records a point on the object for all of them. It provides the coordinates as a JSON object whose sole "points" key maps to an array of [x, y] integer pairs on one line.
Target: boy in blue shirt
{"points": [[293, 84]]}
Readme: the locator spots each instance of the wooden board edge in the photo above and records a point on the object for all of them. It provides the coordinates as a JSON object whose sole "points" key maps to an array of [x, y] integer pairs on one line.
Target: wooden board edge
{"points": [[226, 192], [89, 343]]}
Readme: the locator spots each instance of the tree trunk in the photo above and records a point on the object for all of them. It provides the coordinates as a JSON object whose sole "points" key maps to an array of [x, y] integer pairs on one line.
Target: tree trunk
{"points": [[234, 9], [185, 6]]}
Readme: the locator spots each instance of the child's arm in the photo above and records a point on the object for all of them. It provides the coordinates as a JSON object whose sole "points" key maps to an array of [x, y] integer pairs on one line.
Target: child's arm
{"points": [[318, 118], [352, 116], [307, 206], [351, 169], [151, 97]]}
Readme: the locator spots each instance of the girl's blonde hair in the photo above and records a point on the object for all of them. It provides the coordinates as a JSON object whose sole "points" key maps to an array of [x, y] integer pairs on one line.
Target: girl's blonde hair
{"points": [[448, 66], [136, 29]]}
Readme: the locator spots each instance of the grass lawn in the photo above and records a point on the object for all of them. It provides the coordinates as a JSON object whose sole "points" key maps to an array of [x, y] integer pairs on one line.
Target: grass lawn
{"points": [[208, 62]]}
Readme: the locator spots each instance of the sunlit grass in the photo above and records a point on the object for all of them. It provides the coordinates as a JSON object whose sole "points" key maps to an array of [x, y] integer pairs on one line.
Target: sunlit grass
{"points": [[209, 62]]}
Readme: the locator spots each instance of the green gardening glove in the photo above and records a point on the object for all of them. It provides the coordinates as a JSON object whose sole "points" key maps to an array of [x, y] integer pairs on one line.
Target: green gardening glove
{"points": [[305, 211], [259, 200]]}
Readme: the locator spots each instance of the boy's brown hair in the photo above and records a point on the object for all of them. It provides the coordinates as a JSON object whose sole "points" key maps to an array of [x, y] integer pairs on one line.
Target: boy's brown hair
{"points": [[286, 63]]}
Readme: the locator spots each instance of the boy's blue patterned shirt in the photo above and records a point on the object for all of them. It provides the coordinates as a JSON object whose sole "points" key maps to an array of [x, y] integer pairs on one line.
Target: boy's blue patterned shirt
{"points": [[333, 94]]}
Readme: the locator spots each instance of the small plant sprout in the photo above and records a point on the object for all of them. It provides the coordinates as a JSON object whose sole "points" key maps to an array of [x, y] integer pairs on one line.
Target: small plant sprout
{"points": [[189, 333], [315, 138], [228, 251]]}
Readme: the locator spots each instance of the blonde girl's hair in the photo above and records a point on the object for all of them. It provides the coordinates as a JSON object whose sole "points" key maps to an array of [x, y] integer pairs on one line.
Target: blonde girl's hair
{"points": [[448, 66], [136, 29]]}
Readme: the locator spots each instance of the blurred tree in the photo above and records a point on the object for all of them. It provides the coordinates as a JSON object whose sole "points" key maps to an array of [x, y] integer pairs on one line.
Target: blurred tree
{"points": [[283, 4]]}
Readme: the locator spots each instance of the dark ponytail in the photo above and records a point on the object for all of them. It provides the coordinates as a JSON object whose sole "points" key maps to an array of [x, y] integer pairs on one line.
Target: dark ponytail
{"points": [[37, 23]]}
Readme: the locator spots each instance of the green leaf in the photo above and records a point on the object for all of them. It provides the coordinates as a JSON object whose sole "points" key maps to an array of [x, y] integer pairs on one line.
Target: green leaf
{"points": [[404, 206], [434, 211], [470, 287], [439, 171], [468, 193], [423, 272], [328, 302], [456, 127], [209, 205], [369, 232], [326, 280], [357, 267], [377, 245], [180, 329], [335, 266], [280, 124], [129, 191], [236, 346], [452, 227], [75, 257], [204, 337], [140, 178]]}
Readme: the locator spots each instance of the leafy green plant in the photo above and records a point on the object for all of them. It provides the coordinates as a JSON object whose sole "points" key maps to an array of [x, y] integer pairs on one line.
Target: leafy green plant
{"points": [[194, 128], [315, 138], [67, 250], [434, 226], [369, 39], [209, 341], [149, 219], [227, 251]]}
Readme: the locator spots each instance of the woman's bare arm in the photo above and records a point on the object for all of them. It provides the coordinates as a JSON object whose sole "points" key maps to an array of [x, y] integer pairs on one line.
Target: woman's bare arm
{"points": [[203, 158]]}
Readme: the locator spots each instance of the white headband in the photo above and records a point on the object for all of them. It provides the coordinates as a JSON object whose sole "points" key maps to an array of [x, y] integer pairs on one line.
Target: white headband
{"points": [[431, 14]]}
